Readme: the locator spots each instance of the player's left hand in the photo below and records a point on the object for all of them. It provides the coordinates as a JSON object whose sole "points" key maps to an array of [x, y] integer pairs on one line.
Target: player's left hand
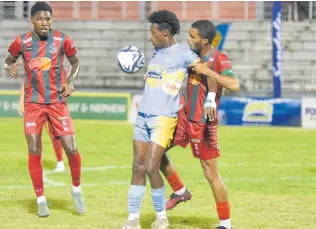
{"points": [[210, 107], [210, 113], [199, 68], [67, 88]]}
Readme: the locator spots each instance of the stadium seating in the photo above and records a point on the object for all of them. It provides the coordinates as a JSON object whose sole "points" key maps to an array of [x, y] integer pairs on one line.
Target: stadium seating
{"points": [[248, 44]]}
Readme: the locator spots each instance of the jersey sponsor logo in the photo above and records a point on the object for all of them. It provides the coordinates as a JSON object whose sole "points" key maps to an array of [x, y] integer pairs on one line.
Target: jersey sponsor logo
{"points": [[27, 40], [171, 87], [226, 64], [40, 64], [258, 111], [30, 124], [155, 71]]}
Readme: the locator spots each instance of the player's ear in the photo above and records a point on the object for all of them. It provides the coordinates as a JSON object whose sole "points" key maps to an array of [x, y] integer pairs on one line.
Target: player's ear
{"points": [[165, 33], [32, 20], [205, 41]]}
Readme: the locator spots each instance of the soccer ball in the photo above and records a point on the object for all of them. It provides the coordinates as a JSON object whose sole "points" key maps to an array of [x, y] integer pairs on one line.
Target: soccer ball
{"points": [[130, 59]]}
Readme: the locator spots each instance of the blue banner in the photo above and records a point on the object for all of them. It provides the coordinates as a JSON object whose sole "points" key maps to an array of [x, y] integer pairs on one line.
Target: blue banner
{"points": [[259, 111], [219, 40], [277, 48]]}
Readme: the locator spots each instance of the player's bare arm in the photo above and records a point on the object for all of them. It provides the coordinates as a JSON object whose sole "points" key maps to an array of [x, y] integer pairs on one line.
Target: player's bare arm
{"points": [[210, 103], [227, 81], [21, 102], [11, 65], [68, 86]]}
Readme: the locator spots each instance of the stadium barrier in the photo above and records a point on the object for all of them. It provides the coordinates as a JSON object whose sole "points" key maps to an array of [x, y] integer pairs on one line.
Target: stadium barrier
{"points": [[308, 112], [231, 111], [99, 106], [251, 111], [260, 111]]}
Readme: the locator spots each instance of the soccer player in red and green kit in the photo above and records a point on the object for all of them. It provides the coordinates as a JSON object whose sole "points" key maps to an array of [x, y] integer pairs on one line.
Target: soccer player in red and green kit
{"points": [[46, 88], [197, 121]]}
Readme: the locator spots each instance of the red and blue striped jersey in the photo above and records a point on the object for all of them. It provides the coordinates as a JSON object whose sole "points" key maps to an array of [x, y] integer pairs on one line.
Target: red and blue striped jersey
{"points": [[43, 64], [197, 87]]}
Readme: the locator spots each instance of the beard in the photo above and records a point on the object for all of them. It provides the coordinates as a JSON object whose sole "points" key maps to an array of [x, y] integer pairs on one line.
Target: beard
{"points": [[195, 49]]}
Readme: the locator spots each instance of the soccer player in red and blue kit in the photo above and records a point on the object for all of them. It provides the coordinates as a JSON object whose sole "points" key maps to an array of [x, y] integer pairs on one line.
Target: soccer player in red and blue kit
{"points": [[197, 121], [46, 88]]}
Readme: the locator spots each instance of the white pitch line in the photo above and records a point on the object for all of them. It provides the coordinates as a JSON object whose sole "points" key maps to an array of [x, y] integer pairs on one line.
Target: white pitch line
{"points": [[99, 168], [119, 183], [48, 181], [111, 183], [111, 167], [266, 165], [51, 183]]}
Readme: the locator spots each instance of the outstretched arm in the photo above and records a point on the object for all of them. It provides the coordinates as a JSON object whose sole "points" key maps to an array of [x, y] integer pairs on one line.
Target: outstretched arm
{"points": [[227, 78], [228, 81]]}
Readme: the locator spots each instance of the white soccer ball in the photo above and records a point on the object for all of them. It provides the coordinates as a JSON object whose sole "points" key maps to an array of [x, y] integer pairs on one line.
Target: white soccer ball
{"points": [[130, 59]]}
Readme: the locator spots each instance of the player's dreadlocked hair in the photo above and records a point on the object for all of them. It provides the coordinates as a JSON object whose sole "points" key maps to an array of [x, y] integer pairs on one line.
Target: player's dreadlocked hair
{"points": [[165, 20], [206, 29], [41, 6]]}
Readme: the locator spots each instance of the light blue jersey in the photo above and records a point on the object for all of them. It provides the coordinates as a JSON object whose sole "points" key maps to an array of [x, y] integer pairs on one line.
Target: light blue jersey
{"points": [[166, 71]]}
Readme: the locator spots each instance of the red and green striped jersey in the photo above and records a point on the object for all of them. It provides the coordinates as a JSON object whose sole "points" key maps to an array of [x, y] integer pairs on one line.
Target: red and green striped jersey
{"points": [[43, 64], [197, 86]]}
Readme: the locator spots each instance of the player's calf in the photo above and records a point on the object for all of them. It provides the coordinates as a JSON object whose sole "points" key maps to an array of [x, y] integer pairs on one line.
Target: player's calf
{"points": [[219, 191]]}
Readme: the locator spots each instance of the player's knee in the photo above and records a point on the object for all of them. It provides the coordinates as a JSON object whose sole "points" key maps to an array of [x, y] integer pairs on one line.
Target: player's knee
{"points": [[151, 170], [138, 168], [33, 149], [211, 176], [70, 150]]}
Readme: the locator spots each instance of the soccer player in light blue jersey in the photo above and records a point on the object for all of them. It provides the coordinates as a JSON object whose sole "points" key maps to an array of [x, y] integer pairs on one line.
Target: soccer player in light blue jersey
{"points": [[157, 115]]}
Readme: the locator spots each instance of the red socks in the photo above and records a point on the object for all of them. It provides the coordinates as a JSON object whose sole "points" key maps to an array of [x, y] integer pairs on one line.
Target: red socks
{"points": [[175, 181], [223, 210], [36, 173], [75, 168]]}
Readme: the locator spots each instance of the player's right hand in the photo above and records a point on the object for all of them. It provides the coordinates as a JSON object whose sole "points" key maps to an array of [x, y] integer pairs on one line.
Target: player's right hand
{"points": [[145, 77], [13, 69]]}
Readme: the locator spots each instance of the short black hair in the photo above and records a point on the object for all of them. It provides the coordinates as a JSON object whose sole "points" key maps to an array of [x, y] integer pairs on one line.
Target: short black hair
{"points": [[206, 29], [41, 6], [165, 19]]}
